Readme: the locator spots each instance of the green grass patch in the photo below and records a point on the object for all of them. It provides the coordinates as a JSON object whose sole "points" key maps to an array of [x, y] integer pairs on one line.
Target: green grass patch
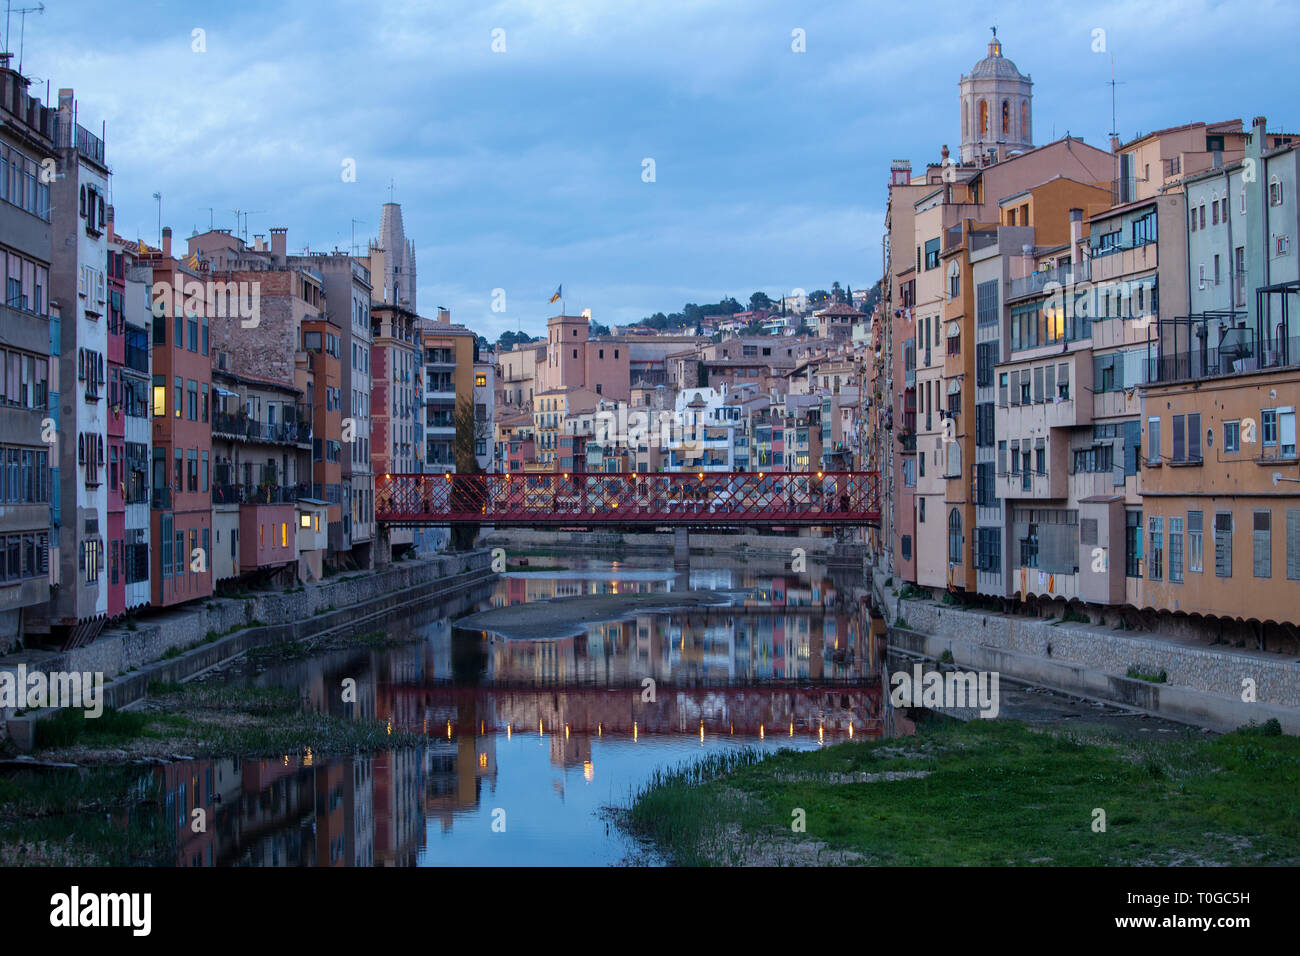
{"points": [[1159, 678], [991, 793]]}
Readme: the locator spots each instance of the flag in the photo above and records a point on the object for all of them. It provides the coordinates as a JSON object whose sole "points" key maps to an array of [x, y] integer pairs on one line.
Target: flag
{"points": [[559, 291]]}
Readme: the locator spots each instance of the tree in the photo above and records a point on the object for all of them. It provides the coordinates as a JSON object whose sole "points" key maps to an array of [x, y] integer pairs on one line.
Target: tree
{"points": [[596, 329], [468, 433], [759, 302], [818, 298]]}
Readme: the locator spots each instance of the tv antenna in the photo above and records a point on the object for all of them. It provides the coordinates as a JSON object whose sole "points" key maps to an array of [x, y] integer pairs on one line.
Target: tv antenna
{"points": [[22, 27], [1114, 127], [352, 249]]}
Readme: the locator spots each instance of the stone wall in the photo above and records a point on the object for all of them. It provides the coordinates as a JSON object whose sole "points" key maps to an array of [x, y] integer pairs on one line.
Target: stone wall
{"points": [[314, 609], [650, 541]]}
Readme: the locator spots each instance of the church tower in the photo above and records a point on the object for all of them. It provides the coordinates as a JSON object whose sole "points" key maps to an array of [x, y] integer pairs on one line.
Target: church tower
{"points": [[996, 108]]}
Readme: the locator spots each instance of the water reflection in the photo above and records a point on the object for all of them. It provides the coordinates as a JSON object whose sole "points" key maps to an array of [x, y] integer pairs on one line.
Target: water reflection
{"points": [[537, 736]]}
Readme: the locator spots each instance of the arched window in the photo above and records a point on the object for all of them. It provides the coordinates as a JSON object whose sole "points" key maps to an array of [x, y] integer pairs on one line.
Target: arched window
{"points": [[1024, 120], [954, 536], [984, 117], [965, 119], [1006, 116]]}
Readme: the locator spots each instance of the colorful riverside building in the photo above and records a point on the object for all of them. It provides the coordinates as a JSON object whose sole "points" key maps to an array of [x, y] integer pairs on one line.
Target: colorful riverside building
{"points": [[29, 335], [180, 492], [79, 285], [1218, 533], [130, 323]]}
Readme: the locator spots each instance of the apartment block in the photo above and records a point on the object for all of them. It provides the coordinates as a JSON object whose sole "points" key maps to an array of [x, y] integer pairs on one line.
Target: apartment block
{"points": [[29, 337]]}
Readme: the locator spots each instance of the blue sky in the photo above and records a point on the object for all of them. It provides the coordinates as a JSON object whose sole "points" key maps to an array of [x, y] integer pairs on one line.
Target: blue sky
{"points": [[522, 169]]}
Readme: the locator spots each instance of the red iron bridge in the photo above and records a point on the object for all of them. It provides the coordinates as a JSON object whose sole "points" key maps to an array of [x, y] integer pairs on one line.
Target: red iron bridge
{"points": [[682, 499]]}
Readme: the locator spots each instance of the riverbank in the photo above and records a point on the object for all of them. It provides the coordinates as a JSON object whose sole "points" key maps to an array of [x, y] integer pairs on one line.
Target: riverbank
{"points": [[175, 645], [79, 800], [562, 617], [1172, 676], [988, 793]]}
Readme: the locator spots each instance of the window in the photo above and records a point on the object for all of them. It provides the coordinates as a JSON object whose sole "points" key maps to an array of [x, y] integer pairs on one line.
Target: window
{"points": [[1153, 441], [931, 254], [1268, 426], [1195, 542], [1263, 544], [1223, 544], [1156, 554], [1133, 544], [954, 536], [1232, 436], [920, 502], [1179, 438], [1175, 550], [1286, 431], [481, 380], [1274, 192], [1292, 544]]}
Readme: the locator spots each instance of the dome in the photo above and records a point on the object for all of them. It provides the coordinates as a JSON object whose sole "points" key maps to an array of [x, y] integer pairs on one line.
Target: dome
{"points": [[995, 65]]}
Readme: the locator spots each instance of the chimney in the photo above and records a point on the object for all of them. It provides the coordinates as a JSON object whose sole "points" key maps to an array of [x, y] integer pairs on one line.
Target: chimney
{"points": [[167, 242], [279, 241], [1076, 239], [1257, 127], [1114, 143], [259, 242], [944, 153], [109, 216], [444, 316]]}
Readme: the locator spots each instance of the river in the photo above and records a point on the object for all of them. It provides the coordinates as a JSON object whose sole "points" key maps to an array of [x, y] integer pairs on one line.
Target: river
{"points": [[530, 742]]}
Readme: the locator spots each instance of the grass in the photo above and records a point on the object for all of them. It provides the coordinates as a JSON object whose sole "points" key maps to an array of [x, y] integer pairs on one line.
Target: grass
{"points": [[70, 726], [994, 792]]}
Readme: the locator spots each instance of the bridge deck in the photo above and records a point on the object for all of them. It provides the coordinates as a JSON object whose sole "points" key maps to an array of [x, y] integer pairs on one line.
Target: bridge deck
{"points": [[688, 499]]}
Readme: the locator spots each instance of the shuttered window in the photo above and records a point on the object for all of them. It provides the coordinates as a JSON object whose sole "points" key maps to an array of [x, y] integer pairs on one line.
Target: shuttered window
{"points": [[1223, 544], [1176, 550], [1038, 384], [1263, 540], [1194, 437], [1153, 440], [1002, 389], [1049, 383], [1180, 448], [1292, 544], [1195, 541], [1155, 556]]}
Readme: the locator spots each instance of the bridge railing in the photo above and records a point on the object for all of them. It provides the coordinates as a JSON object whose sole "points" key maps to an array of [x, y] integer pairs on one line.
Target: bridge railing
{"points": [[704, 498]]}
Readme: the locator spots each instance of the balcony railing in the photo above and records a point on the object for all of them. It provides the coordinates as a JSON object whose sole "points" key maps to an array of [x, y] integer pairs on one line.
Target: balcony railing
{"points": [[224, 493], [241, 426], [1036, 282], [1236, 352]]}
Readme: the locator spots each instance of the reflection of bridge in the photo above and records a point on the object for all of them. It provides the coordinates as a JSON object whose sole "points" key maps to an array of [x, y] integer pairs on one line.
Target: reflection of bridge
{"points": [[682, 499], [749, 708]]}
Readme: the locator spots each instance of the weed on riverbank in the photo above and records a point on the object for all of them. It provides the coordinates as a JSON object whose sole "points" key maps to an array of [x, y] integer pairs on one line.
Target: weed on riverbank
{"points": [[987, 793]]}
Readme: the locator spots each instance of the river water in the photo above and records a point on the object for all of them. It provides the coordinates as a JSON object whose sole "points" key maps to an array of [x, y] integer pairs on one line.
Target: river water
{"points": [[530, 742]]}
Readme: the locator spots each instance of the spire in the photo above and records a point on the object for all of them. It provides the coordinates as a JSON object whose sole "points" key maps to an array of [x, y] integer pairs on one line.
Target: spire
{"points": [[995, 45]]}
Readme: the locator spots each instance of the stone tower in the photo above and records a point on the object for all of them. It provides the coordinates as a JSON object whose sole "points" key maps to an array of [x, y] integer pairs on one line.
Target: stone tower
{"points": [[398, 260], [996, 108]]}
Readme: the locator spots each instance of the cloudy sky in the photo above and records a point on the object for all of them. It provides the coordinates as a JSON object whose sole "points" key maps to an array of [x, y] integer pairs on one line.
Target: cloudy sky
{"points": [[523, 169]]}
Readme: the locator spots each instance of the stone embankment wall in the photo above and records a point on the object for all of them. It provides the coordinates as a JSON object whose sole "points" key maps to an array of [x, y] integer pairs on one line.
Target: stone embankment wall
{"points": [[649, 541], [129, 660], [1204, 685]]}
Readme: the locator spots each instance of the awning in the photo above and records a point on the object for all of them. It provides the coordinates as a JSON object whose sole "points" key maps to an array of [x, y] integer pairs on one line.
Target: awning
{"points": [[954, 329], [954, 387]]}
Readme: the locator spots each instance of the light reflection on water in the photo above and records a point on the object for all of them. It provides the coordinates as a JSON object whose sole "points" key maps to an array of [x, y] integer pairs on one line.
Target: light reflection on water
{"points": [[539, 735]]}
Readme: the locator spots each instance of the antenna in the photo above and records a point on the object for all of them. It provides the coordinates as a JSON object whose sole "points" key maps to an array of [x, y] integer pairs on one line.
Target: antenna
{"points": [[352, 249], [1114, 127], [22, 28]]}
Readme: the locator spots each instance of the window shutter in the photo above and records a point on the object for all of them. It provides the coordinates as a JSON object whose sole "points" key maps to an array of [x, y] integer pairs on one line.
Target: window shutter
{"points": [[1293, 544], [1223, 545], [1194, 437], [1049, 383], [1038, 384], [1263, 529]]}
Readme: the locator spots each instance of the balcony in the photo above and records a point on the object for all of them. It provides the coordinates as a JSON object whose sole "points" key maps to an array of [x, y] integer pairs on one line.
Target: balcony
{"points": [[79, 138], [268, 494], [242, 427], [1183, 353], [1037, 282]]}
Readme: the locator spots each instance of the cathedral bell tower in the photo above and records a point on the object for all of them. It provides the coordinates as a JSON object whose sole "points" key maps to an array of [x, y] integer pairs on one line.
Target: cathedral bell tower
{"points": [[996, 109]]}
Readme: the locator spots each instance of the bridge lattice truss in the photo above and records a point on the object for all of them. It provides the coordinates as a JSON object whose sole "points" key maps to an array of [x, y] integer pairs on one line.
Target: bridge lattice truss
{"points": [[688, 499]]}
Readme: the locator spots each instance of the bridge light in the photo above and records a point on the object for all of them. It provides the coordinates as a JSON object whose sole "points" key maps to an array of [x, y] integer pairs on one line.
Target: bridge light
{"points": [[819, 474], [701, 476]]}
